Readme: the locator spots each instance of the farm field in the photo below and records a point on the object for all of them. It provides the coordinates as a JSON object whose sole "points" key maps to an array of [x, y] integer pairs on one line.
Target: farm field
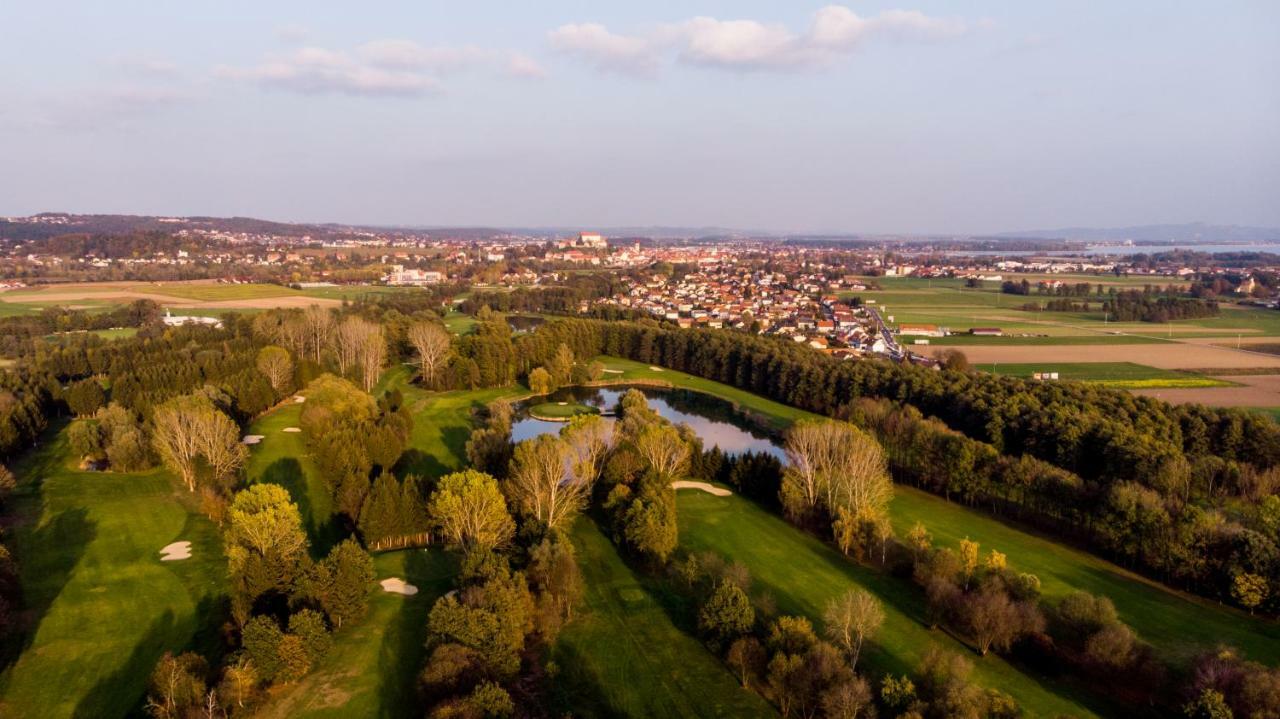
{"points": [[948, 303], [1251, 390], [1166, 355], [104, 607], [205, 294], [802, 574], [1120, 375]]}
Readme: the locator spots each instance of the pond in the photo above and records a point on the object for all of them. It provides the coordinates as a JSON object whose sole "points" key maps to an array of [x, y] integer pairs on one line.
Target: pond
{"points": [[715, 420], [521, 324]]}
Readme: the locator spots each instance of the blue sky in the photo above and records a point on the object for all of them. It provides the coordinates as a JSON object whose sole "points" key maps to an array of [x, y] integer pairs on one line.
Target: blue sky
{"points": [[861, 117]]}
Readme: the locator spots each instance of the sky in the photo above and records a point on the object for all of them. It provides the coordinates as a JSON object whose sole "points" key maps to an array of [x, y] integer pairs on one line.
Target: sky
{"points": [[899, 117]]}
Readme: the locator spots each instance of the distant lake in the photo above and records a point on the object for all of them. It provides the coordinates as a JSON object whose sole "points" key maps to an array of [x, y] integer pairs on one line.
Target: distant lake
{"points": [[714, 420]]}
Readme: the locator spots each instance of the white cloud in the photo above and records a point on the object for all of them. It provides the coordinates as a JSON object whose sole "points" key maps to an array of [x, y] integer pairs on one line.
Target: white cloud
{"points": [[637, 55], [389, 67], [834, 31]]}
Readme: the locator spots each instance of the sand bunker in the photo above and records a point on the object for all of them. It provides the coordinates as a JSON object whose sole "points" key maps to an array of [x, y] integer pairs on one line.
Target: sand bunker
{"points": [[291, 430], [708, 488], [176, 551], [655, 369], [613, 371], [252, 438], [299, 399], [396, 585]]}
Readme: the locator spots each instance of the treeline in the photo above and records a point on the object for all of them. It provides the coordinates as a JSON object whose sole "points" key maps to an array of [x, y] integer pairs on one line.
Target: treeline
{"points": [[562, 299], [1148, 306], [18, 333]]}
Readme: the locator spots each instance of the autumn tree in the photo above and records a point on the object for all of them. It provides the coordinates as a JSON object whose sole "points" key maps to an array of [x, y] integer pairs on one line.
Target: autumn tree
{"points": [[746, 656], [469, 510], [177, 686], [540, 381], [277, 366], [432, 343], [361, 346], [539, 483], [265, 544], [727, 613], [834, 465], [851, 619], [189, 428], [663, 450], [316, 327]]}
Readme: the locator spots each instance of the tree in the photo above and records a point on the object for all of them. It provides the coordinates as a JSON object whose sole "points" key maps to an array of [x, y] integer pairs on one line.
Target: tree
{"points": [[317, 328], [469, 509], [309, 627], [539, 485], [663, 449], [1249, 590], [851, 619], [560, 366], [341, 582], [261, 640], [190, 427], [540, 381], [968, 560], [649, 525], [953, 359], [265, 544], [432, 343], [555, 575], [277, 366], [834, 464], [1210, 704], [85, 439], [992, 619], [491, 701], [239, 683], [589, 438], [727, 613], [85, 397], [746, 656], [848, 699], [361, 345], [177, 685]]}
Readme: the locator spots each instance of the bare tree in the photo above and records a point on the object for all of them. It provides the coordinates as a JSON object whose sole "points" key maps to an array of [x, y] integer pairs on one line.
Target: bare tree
{"points": [[319, 329], [663, 449], [589, 437], [432, 343], [851, 619], [276, 365], [188, 428], [539, 483], [835, 464], [360, 344]]}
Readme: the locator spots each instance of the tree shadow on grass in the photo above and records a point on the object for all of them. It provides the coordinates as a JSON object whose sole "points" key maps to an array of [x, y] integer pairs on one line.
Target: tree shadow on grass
{"points": [[48, 554], [125, 688], [403, 652], [415, 461], [577, 691], [288, 473]]}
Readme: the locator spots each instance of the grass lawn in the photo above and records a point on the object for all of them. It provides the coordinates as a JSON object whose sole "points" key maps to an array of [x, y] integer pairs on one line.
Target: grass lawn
{"points": [[459, 323], [560, 411], [373, 665], [103, 607], [10, 308], [802, 574], [1176, 624], [282, 458], [622, 655], [1120, 375], [115, 333]]}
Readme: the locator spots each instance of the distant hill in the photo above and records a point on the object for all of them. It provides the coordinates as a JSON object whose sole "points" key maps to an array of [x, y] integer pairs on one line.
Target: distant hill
{"points": [[1157, 234]]}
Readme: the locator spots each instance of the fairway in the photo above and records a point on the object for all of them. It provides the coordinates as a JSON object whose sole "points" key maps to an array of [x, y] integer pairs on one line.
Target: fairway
{"points": [[1176, 624], [622, 655], [373, 665], [802, 574], [105, 608]]}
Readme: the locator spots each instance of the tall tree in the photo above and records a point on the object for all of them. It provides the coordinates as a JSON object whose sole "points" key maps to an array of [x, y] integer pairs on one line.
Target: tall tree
{"points": [[469, 509], [188, 428], [539, 483], [277, 366], [433, 343], [851, 619]]}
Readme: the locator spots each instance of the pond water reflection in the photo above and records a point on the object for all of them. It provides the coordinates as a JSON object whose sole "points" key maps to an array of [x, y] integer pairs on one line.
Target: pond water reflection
{"points": [[713, 419]]}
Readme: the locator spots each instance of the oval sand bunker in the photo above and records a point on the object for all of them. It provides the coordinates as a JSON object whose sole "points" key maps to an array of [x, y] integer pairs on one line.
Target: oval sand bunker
{"points": [[396, 585]]}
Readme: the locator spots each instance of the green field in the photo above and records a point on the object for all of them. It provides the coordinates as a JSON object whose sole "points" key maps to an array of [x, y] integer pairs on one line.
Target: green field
{"points": [[622, 655], [104, 607], [115, 333], [1120, 375], [281, 458], [458, 323], [802, 574]]}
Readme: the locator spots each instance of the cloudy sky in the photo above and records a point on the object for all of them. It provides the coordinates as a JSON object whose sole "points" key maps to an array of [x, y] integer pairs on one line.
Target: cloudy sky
{"points": [[861, 117]]}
